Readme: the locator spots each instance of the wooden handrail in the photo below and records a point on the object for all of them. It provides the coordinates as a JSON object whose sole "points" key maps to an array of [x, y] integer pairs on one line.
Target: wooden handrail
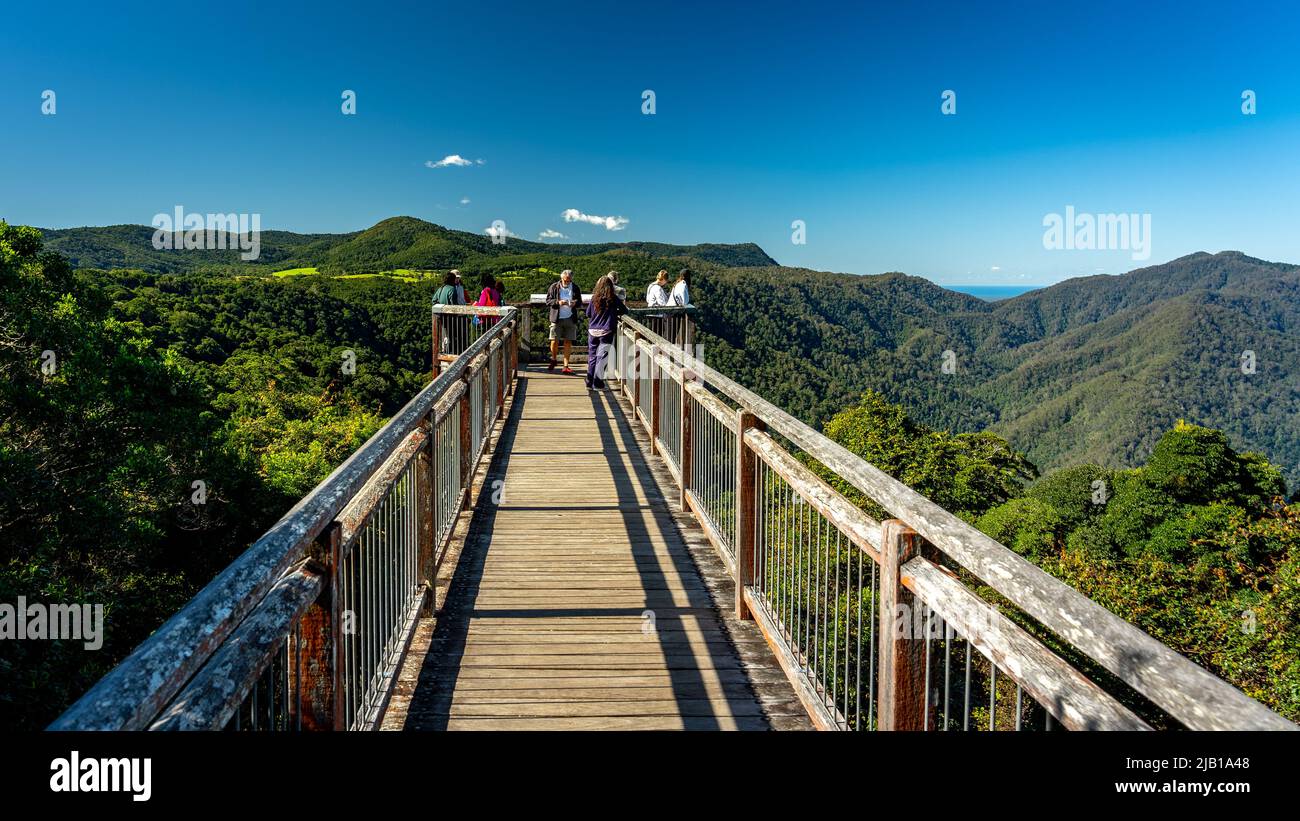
{"points": [[1186, 691], [213, 696], [131, 695]]}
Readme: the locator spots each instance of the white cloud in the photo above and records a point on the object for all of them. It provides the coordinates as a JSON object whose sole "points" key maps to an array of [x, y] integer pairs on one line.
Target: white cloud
{"points": [[464, 200], [997, 267], [551, 234], [610, 223], [499, 228], [451, 160]]}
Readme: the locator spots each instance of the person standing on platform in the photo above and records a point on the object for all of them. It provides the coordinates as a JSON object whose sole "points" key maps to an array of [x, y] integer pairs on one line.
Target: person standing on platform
{"points": [[564, 297], [603, 311]]}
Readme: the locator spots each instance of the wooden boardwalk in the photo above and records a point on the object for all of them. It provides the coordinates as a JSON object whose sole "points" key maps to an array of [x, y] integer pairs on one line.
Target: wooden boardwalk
{"points": [[583, 599]]}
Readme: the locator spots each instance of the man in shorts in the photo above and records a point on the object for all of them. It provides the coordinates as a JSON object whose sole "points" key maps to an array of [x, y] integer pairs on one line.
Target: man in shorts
{"points": [[564, 298]]}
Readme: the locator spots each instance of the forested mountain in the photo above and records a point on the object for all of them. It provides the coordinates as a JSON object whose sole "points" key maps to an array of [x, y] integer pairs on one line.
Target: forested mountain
{"points": [[398, 242], [178, 366], [1090, 370]]}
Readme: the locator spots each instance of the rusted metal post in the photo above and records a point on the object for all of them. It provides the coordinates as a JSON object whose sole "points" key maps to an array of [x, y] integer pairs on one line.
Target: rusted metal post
{"points": [[524, 330], [900, 699], [487, 392], [424, 484], [466, 422], [514, 355], [315, 665], [656, 376], [437, 344], [636, 372], [501, 378], [684, 437], [746, 509]]}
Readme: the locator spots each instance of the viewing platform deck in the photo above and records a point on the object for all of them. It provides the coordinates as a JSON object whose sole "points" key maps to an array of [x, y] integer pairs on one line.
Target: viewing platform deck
{"points": [[511, 551], [583, 599]]}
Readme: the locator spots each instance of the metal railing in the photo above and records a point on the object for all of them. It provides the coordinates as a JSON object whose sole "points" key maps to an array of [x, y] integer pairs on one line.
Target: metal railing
{"points": [[307, 629], [676, 323], [877, 624]]}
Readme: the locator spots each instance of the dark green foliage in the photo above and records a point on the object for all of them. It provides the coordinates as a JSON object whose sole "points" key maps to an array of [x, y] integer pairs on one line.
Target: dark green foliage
{"points": [[966, 473], [1092, 369], [1194, 547]]}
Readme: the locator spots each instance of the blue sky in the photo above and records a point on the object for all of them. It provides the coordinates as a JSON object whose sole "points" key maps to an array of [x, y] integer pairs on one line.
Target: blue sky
{"points": [[766, 113]]}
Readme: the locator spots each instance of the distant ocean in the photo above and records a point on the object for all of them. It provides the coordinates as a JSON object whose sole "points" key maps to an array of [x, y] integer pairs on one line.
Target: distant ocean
{"points": [[992, 293]]}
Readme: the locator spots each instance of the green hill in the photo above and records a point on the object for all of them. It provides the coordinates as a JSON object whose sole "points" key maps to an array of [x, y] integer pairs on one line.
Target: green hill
{"points": [[394, 243], [1092, 369]]}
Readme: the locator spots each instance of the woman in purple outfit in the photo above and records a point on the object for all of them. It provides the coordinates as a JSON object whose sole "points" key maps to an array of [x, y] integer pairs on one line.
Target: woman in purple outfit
{"points": [[603, 310]]}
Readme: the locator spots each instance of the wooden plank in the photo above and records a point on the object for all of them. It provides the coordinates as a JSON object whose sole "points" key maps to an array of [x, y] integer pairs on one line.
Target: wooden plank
{"points": [[607, 708], [610, 723]]}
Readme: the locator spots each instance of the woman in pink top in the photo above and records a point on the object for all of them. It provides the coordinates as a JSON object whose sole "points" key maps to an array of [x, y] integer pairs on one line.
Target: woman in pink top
{"points": [[490, 297]]}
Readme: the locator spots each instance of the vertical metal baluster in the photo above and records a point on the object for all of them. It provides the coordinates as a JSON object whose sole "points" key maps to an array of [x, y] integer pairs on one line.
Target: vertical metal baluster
{"points": [[857, 678], [927, 614], [873, 617], [947, 673], [819, 596], [993, 695], [840, 679], [965, 718], [1019, 697], [372, 616]]}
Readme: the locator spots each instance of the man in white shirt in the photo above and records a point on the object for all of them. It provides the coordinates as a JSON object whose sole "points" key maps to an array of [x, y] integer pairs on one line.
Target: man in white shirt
{"points": [[562, 298]]}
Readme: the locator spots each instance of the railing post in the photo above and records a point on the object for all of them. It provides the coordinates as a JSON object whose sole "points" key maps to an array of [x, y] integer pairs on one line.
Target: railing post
{"points": [[636, 372], [514, 354], [746, 509], [656, 376], [527, 331], [437, 344], [900, 700], [424, 484], [686, 462], [501, 378], [487, 392], [466, 422], [316, 667], [688, 333]]}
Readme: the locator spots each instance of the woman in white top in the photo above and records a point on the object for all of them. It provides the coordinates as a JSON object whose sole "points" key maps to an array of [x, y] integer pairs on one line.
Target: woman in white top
{"points": [[657, 294], [682, 290]]}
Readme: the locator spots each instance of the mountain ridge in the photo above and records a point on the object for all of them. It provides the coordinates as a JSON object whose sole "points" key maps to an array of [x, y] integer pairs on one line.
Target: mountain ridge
{"points": [[1088, 369], [392, 243]]}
